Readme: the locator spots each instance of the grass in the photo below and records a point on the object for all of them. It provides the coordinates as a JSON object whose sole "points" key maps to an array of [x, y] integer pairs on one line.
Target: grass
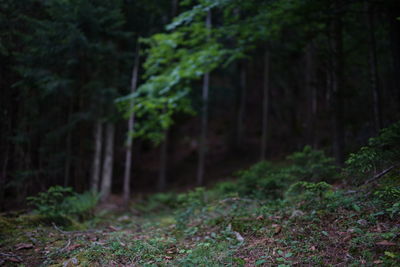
{"points": [[310, 224], [342, 229]]}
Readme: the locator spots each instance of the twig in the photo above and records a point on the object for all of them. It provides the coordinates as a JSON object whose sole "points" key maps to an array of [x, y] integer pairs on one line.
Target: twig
{"points": [[66, 246], [58, 229], [380, 175], [232, 199], [10, 255], [74, 232]]}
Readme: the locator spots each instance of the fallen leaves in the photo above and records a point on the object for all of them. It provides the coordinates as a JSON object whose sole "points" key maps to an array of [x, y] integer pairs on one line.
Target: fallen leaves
{"points": [[113, 228], [277, 228], [12, 259], [73, 247]]}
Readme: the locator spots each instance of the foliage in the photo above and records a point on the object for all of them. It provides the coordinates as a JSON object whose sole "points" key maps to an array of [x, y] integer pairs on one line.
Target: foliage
{"points": [[262, 181], [381, 152], [159, 202], [215, 227], [312, 165], [60, 202], [311, 190], [388, 194], [265, 181], [317, 195]]}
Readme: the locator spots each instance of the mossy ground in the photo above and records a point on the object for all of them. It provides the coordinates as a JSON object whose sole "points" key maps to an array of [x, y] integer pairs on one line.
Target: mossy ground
{"points": [[344, 229]]}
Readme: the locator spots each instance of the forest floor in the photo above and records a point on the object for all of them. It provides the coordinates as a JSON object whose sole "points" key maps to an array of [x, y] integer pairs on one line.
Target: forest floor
{"points": [[346, 230]]}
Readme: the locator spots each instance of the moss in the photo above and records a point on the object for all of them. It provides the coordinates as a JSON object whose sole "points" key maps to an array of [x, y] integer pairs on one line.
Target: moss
{"points": [[6, 225], [167, 221], [28, 220]]}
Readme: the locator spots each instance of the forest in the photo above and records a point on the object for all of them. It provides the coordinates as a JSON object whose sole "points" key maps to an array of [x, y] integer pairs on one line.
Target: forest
{"points": [[199, 133]]}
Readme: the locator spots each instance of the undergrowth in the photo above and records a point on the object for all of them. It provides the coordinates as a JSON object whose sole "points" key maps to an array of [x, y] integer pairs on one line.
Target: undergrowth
{"points": [[296, 215]]}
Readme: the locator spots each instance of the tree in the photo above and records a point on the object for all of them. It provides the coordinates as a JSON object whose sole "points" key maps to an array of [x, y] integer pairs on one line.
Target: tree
{"points": [[131, 122], [265, 105], [106, 181], [204, 118]]}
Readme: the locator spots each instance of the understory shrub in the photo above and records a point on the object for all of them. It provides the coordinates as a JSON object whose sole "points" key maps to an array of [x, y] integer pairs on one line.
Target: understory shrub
{"points": [[159, 202], [312, 165], [265, 181], [61, 202], [381, 152]]}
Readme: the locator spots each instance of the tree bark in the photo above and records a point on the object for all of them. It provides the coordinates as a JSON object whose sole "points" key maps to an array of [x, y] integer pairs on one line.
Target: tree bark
{"points": [[393, 13], [67, 171], [106, 182], [242, 106], [204, 119], [373, 68], [96, 165], [265, 106], [131, 125], [312, 95], [337, 82], [174, 8], [3, 175], [162, 178]]}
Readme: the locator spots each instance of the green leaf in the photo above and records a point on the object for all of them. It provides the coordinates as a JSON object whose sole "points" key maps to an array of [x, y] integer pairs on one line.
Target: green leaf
{"points": [[260, 262]]}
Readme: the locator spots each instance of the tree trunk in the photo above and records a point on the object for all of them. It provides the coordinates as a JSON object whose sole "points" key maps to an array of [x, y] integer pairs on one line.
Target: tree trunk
{"points": [[373, 68], [242, 106], [312, 95], [337, 82], [108, 162], [131, 125], [96, 165], [162, 178], [67, 170], [393, 13], [265, 106], [204, 120], [3, 175], [174, 8]]}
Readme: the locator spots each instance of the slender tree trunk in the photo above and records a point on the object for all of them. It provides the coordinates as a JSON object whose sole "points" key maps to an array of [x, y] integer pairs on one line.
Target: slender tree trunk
{"points": [[162, 178], [106, 182], [373, 68], [174, 8], [131, 124], [3, 175], [96, 165], [204, 120], [393, 13], [265, 106], [337, 83], [67, 170], [311, 90], [242, 106]]}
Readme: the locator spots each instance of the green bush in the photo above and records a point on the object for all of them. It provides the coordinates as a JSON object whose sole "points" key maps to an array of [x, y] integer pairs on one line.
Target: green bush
{"points": [[159, 202], [60, 202], [312, 165], [308, 190], [265, 181], [262, 181], [380, 153]]}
